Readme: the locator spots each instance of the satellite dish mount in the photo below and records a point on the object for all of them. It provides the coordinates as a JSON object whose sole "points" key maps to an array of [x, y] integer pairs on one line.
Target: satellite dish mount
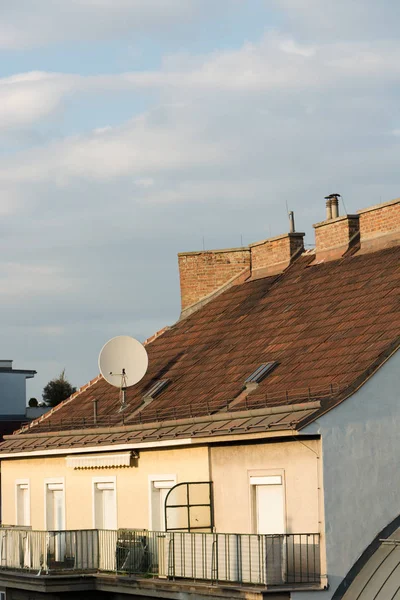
{"points": [[122, 388]]}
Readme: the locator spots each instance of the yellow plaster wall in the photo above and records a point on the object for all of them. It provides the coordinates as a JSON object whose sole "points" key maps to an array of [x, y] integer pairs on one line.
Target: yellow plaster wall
{"points": [[231, 467], [187, 464]]}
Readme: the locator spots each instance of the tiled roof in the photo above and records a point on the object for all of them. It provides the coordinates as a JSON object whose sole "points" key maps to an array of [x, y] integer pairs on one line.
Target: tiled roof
{"points": [[327, 325]]}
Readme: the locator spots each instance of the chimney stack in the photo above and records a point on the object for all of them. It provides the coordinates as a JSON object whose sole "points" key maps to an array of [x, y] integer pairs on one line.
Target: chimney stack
{"points": [[207, 273], [380, 225], [274, 255], [334, 236]]}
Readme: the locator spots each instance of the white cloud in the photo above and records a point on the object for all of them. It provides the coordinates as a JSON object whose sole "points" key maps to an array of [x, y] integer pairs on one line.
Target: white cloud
{"points": [[29, 97], [291, 47], [275, 63], [138, 148]]}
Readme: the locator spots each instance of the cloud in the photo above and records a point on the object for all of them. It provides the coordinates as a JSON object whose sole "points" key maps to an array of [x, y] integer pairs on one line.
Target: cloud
{"points": [[140, 147], [277, 62], [341, 20], [28, 97], [40, 22]]}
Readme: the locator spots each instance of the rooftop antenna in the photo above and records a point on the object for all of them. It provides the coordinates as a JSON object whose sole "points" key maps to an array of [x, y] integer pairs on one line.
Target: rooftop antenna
{"points": [[290, 214], [123, 362]]}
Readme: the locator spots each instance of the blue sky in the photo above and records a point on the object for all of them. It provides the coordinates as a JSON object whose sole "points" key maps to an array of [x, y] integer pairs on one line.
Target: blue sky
{"points": [[131, 129]]}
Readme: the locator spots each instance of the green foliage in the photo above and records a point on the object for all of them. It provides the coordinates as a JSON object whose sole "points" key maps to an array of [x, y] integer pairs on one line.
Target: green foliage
{"points": [[57, 390]]}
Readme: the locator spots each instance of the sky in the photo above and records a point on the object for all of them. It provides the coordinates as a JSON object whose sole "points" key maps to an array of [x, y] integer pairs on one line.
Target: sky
{"points": [[131, 130]]}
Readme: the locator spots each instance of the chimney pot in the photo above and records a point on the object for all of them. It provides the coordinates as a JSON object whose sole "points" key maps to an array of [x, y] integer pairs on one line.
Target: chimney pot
{"points": [[328, 209], [292, 228], [335, 207]]}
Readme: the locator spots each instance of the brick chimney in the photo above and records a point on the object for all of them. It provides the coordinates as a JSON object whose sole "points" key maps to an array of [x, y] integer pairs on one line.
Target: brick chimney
{"points": [[335, 235], [380, 226], [204, 275], [272, 256]]}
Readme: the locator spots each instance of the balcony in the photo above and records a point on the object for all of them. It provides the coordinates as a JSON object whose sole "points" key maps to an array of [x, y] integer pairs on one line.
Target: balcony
{"points": [[289, 561]]}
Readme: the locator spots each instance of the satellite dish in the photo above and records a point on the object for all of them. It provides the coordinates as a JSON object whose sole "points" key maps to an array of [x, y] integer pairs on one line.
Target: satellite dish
{"points": [[123, 362]]}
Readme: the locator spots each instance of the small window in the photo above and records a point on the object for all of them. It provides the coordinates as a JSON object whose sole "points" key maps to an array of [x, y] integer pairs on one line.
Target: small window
{"points": [[261, 372], [2, 596]]}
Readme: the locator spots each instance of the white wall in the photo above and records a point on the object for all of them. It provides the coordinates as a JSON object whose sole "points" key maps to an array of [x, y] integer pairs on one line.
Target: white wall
{"points": [[361, 450], [33, 412], [12, 393]]}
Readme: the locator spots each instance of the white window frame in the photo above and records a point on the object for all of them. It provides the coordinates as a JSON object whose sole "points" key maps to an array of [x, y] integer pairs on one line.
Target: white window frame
{"points": [[54, 481], [105, 479], [152, 480], [19, 482], [260, 477], [3, 595]]}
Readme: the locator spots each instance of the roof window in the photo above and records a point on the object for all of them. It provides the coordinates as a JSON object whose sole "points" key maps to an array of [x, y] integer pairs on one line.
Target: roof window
{"points": [[261, 372], [156, 389]]}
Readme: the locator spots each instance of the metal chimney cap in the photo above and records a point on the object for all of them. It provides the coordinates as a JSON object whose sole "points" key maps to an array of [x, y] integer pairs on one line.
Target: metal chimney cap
{"points": [[332, 196]]}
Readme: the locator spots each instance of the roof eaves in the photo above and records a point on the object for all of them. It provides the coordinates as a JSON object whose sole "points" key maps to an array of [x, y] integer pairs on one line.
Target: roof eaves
{"points": [[273, 410]]}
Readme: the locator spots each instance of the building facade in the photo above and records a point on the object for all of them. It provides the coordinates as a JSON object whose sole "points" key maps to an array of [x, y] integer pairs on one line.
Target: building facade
{"points": [[258, 454]]}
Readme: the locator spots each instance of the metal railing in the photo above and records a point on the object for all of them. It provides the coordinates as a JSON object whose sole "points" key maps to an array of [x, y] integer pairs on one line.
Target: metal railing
{"points": [[268, 560], [45, 551], [186, 411]]}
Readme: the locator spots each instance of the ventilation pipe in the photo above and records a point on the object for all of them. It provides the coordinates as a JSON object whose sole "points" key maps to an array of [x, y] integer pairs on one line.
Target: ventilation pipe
{"points": [[95, 411]]}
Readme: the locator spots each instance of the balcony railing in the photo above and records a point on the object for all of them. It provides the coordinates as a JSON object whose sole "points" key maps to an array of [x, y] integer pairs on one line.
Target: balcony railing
{"points": [[268, 560]]}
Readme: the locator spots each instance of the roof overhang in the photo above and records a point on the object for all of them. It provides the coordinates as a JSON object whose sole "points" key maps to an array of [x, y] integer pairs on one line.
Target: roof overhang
{"points": [[268, 422], [218, 439]]}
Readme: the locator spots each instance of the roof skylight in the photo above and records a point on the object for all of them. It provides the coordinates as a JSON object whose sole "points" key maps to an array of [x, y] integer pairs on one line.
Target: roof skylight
{"points": [[156, 389], [261, 372]]}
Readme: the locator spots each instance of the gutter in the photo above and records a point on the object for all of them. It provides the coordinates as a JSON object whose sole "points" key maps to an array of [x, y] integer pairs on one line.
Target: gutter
{"points": [[151, 445]]}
